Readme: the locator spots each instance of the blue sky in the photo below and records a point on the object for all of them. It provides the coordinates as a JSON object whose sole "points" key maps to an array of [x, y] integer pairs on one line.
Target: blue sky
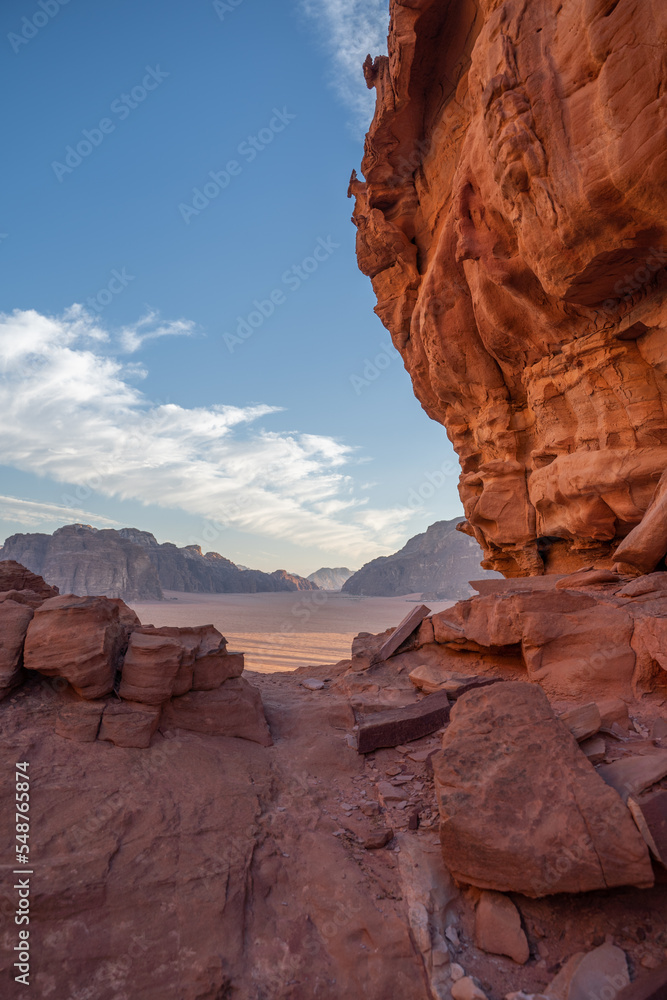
{"points": [[186, 344]]}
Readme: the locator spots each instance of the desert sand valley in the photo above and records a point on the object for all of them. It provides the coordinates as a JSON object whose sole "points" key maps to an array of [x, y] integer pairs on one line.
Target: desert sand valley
{"points": [[283, 631]]}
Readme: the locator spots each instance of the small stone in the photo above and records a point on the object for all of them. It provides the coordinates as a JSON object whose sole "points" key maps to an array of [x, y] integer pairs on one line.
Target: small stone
{"points": [[378, 839], [456, 971], [452, 935], [650, 962], [312, 684], [392, 771], [467, 989], [388, 793], [440, 956], [370, 808], [347, 807], [421, 756]]}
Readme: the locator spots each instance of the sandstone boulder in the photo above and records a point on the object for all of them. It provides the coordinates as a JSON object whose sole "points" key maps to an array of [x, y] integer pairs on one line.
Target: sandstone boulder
{"points": [[129, 723], [580, 653], [79, 720], [14, 576], [27, 597], [14, 621], [598, 973], [152, 665], [522, 809], [169, 661], [79, 638], [498, 928], [233, 709], [213, 664]]}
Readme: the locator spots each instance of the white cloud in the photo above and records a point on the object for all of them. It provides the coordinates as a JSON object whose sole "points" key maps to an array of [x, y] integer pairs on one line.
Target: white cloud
{"points": [[351, 29], [31, 513], [71, 412], [149, 328]]}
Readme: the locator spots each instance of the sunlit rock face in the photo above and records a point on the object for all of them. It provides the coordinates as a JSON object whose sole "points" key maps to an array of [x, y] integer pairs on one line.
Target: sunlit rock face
{"points": [[513, 221]]}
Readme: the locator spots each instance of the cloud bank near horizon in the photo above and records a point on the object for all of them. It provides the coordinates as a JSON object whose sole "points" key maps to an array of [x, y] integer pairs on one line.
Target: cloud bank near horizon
{"points": [[74, 413]]}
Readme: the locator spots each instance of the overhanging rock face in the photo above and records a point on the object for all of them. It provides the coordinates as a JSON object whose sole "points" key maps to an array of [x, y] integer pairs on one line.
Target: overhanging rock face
{"points": [[513, 222]]}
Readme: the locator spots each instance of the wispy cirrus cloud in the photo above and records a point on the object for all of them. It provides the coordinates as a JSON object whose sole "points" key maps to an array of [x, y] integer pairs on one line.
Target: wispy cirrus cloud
{"points": [[33, 513], [350, 30], [149, 327], [72, 412]]}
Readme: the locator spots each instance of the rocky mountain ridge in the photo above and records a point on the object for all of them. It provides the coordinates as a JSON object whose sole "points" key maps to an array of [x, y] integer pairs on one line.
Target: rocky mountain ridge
{"points": [[327, 578], [438, 563], [132, 565]]}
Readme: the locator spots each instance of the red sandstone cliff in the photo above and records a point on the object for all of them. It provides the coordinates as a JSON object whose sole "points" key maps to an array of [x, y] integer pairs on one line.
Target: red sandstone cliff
{"points": [[513, 222]]}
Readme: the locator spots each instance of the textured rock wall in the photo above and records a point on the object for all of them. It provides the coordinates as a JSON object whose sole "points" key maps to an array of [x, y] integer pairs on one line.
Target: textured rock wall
{"points": [[513, 222], [133, 565]]}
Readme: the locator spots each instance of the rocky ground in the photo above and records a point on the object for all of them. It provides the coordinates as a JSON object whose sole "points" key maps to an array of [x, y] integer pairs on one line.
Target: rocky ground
{"points": [[430, 818], [206, 867]]}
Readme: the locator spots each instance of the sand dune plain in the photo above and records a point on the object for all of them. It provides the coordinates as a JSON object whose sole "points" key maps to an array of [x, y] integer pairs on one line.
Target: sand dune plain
{"points": [[283, 631]]}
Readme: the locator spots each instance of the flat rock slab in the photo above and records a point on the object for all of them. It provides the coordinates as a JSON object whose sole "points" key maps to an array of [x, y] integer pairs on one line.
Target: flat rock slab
{"points": [[633, 775], [234, 709], [650, 986], [650, 815], [582, 721], [522, 809], [312, 684], [402, 725], [410, 623]]}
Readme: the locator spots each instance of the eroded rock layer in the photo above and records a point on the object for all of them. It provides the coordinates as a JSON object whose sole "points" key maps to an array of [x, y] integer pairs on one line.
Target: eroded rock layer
{"points": [[513, 222]]}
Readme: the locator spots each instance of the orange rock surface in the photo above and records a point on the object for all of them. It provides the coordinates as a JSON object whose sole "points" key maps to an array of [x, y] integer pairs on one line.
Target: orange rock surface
{"points": [[513, 222]]}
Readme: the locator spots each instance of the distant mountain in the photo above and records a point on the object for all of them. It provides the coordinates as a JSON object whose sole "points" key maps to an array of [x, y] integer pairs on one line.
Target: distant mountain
{"points": [[330, 579], [133, 565], [438, 563]]}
